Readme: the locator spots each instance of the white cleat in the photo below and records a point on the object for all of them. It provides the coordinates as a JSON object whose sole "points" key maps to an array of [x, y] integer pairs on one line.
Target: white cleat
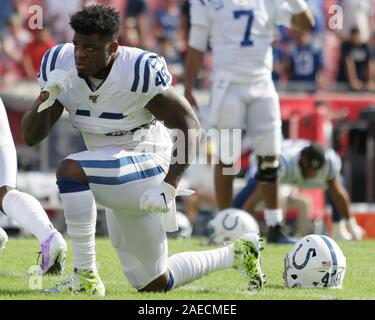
{"points": [[53, 251], [247, 259]]}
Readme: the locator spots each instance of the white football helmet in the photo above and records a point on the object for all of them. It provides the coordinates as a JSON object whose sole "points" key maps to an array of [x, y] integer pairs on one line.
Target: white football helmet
{"points": [[229, 225], [185, 229], [315, 261]]}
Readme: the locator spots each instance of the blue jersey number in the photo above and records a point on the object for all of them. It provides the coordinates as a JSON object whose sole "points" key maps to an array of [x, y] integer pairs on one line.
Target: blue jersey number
{"points": [[246, 42], [162, 78]]}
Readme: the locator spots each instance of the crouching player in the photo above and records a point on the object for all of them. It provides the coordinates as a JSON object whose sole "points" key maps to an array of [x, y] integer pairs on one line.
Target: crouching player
{"points": [[118, 98]]}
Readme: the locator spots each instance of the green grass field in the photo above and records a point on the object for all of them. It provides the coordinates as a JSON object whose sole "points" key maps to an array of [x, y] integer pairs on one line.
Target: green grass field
{"points": [[20, 254]]}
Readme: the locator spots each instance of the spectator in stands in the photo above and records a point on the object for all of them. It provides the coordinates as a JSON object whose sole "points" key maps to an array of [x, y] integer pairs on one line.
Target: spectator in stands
{"points": [[15, 38], [135, 28], [34, 51], [7, 10], [167, 20], [305, 63], [57, 15], [357, 14], [355, 62]]}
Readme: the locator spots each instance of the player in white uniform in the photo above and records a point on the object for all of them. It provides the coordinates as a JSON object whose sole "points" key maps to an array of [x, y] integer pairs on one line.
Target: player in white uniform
{"points": [[308, 166], [117, 97], [243, 95], [24, 208]]}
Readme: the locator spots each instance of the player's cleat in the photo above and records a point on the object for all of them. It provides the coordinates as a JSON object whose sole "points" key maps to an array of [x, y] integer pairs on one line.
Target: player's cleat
{"points": [[275, 234], [53, 252], [247, 259], [82, 281]]}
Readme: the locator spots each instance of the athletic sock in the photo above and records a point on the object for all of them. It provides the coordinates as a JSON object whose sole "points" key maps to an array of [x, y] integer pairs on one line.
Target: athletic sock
{"points": [[80, 216], [29, 213], [273, 217], [188, 266]]}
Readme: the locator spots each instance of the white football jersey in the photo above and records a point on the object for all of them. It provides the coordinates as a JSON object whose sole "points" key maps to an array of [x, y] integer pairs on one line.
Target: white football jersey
{"points": [[118, 104], [241, 33], [290, 171]]}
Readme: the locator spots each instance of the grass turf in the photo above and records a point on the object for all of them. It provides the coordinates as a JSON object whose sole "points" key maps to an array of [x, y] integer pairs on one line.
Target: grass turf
{"points": [[20, 255]]}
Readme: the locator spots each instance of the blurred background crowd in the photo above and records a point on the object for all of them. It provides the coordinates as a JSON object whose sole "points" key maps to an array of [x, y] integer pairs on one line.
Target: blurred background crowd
{"points": [[325, 59]]}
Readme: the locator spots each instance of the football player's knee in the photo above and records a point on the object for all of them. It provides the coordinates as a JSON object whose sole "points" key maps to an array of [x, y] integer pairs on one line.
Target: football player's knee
{"points": [[70, 169], [267, 169], [160, 284]]}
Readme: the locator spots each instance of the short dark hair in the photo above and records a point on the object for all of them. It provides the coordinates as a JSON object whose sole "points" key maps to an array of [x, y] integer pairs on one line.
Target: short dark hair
{"points": [[97, 19], [315, 156]]}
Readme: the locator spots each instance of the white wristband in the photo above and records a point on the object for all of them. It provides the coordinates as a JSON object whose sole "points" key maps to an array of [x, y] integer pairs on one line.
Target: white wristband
{"points": [[298, 6]]}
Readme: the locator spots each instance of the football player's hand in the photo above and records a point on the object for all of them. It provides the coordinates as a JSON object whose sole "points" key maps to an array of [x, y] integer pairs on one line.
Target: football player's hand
{"points": [[58, 81], [161, 198]]}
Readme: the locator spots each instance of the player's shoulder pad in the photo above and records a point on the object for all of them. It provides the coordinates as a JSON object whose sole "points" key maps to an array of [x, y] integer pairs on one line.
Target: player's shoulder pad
{"points": [[60, 56], [147, 71]]}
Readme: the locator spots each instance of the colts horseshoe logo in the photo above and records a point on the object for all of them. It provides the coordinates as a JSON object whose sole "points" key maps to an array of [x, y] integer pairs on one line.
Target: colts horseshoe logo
{"points": [[310, 253], [230, 227]]}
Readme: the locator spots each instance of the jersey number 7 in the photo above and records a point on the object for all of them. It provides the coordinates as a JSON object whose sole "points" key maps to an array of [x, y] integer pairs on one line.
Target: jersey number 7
{"points": [[246, 42]]}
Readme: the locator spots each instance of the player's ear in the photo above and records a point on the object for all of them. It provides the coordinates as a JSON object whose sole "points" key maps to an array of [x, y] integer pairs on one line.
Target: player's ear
{"points": [[113, 47]]}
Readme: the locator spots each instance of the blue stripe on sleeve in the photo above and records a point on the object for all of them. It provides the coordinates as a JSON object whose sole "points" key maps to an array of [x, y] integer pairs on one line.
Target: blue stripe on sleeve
{"points": [[44, 65], [136, 71], [146, 77], [54, 56], [117, 163], [138, 175]]}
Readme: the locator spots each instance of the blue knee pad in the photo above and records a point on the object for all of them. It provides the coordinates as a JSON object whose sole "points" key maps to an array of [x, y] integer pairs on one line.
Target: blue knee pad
{"points": [[69, 185]]}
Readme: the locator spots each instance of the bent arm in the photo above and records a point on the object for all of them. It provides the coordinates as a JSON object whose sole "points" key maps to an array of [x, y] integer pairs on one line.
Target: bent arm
{"points": [[37, 125], [176, 113]]}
